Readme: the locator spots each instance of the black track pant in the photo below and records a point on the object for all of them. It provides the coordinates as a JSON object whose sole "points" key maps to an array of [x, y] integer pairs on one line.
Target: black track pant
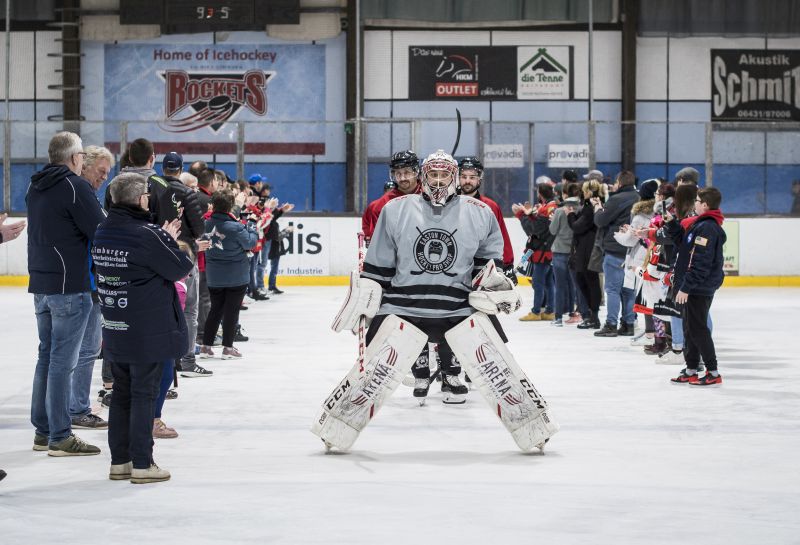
{"points": [[225, 306], [589, 284], [697, 336]]}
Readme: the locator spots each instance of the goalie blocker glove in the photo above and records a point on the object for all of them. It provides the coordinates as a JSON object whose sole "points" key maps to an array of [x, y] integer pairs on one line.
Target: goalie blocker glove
{"points": [[494, 292], [363, 299]]}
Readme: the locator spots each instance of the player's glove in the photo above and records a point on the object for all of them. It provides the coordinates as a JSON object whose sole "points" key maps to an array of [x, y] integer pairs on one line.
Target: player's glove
{"points": [[363, 299], [494, 292], [510, 273]]}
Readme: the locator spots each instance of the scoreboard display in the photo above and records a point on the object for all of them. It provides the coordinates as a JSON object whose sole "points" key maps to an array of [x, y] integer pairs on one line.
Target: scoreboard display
{"points": [[191, 16]]}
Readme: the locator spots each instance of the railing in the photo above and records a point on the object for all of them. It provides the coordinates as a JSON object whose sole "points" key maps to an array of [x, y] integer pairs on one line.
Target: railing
{"points": [[755, 165]]}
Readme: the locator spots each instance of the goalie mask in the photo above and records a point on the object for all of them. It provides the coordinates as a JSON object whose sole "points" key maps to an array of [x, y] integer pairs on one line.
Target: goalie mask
{"points": [[439, 173]]}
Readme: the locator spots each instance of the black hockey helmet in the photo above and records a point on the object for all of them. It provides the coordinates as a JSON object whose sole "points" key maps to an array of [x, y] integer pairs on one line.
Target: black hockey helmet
{"points": [[471, 163], [404, 159]]}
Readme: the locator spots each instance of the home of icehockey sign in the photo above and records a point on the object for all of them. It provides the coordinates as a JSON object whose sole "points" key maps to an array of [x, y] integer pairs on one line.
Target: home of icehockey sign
{"points": [[755, 85]]}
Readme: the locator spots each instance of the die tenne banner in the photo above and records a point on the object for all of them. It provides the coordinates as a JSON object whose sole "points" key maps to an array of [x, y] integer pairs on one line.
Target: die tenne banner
{"points": [[490, 73], [755, 85]]}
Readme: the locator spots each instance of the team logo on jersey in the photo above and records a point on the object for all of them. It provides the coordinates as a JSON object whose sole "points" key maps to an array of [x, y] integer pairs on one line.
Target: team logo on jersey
{"points": [[213, 99], [435, 251]]}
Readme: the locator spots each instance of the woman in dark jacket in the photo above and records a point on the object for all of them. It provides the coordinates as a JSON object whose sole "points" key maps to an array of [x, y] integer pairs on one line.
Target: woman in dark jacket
{"points": [[584, 233], [227, 272]]}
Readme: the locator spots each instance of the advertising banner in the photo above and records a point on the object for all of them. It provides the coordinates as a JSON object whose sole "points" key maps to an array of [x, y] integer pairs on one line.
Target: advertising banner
{"points": [[755, 85], [730, 250], [191, 94], [568, 156], [490, 73], [447, 72], [545, 73], [307, 248], [503, 156]]}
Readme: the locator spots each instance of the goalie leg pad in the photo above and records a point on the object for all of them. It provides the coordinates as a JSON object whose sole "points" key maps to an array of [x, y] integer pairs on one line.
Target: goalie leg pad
{"points": [[358, 397], [501, 382]]}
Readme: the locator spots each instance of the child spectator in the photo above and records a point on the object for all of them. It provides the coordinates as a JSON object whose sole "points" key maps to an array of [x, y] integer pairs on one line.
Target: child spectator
{"points": [[698, 274]]}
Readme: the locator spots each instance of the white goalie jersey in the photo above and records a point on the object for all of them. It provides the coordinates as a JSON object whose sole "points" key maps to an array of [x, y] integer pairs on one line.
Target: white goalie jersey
{"points": [[424, 257]]}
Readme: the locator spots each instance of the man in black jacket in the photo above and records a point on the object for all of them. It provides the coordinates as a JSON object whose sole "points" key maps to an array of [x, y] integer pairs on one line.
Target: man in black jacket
{"points": [[609, 218], [137, 265], [178, 201], [63, 214], [142, 156], [698, 274]]}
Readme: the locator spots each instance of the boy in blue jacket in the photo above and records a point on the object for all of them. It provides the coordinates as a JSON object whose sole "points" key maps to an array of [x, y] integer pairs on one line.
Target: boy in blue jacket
{"points": [[698, 274]]}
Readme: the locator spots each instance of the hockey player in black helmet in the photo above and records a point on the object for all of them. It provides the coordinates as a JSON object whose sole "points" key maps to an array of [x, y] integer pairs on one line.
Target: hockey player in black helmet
{"points": [[404, 174], [470, 176]]}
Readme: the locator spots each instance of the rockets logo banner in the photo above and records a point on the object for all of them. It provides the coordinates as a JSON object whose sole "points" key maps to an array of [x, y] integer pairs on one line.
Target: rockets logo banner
{"points": [[202, 92], [212, 99]]}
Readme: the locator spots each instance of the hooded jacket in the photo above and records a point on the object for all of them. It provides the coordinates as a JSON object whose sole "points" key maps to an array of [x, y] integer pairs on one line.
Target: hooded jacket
{"points": [[175, 197], [698, 265], [63, 215], [156, 186], [137, 265], [227, 262], [615, 214]]}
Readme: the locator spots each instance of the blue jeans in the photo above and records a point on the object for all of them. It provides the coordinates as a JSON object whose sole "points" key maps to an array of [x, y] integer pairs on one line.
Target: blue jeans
{"points": [[565, 289], [273, 271], [543, 283], [263, 258], [190, 313], [252, 286], [61, 321], [165, 383], [130, 419], [82, 375], [617, 298]]}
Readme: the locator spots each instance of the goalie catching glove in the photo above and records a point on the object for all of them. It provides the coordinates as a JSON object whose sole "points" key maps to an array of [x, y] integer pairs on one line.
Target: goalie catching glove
{"points": [[494, 292], [363, 299]]}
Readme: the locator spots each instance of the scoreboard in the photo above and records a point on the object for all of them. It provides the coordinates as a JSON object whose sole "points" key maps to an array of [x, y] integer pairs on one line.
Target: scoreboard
{"points": [[191, 16]]}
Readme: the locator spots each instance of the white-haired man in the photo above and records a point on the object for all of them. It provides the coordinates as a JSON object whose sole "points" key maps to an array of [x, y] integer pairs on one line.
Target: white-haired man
{"points": [[97, 164], [63, 215]]}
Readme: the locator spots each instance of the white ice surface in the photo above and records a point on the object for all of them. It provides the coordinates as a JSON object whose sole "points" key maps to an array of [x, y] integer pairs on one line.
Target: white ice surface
{"points": [[638, 460]]}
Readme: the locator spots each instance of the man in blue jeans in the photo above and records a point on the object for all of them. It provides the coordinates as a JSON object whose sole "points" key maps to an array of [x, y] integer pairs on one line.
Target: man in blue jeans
{"points": [[609, 219], [96, 165], [63, 214]]}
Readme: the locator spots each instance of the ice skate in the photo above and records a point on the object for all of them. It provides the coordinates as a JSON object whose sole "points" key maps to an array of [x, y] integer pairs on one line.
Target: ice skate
{"points": [[421, 387], [453, 392]]}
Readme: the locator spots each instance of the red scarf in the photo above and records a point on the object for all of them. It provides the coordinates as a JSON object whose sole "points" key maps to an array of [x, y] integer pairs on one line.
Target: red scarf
{"points": [[687, 223]]}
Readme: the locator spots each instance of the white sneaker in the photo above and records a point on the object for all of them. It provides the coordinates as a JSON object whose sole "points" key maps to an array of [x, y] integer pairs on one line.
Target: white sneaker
{"points": [[152, 474], [671, 358], [641, 340], [120, 472]]}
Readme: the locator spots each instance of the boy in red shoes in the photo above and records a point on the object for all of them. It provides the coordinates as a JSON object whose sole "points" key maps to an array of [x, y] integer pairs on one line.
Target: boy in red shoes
{"points": [[698, 274]]}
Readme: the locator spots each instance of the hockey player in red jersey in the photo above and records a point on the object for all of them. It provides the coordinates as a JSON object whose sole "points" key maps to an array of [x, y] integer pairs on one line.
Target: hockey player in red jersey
{"points": [[470, 175], [404, 172]]}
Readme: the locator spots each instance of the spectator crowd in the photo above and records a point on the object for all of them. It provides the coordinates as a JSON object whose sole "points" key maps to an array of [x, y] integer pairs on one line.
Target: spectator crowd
{"points": [[155, 279], [151, 281], [652, 249]]}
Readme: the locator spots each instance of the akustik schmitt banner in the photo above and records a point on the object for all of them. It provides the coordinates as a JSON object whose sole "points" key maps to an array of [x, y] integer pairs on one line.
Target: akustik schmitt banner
{"points": [[191, 95], [755, 85]]}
